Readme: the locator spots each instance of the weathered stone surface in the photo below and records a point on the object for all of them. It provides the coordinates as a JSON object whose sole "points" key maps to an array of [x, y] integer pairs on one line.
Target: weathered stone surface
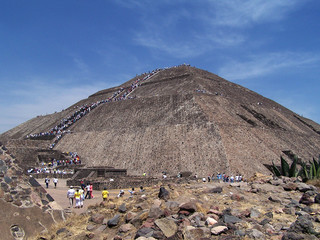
{"points": [[303, 187], [114, 221], [122, 208], [192, 233], [290, 186], [126, 228], [274, 198], [129, 216], [157, 203], [214, 190], [189, 206], [97, 218], [255, 213], [91, 227], [156, 212], [172, 205], [211, 221], [306, 199], [144, 232], [163, 194], [167, 226], [230, 219], [303, 224], [255, 234], [218, 230], [237, 197], [317, 198]]}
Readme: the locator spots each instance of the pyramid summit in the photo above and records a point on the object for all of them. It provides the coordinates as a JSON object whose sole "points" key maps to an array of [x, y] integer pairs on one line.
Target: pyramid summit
{"points": [[174, 120]]}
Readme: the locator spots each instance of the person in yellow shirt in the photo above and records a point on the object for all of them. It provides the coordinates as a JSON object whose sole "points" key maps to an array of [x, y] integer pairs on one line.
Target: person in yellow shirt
{"points": [[105, 194], [77, 196]]}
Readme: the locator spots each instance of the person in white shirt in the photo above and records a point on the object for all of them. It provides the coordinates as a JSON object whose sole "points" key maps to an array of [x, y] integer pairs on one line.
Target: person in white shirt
{"points": [[55, 181], [70, 195]]}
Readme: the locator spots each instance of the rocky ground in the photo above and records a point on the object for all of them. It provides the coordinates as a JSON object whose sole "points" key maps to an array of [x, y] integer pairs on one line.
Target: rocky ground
{"points": [[25, 206], [263, 208]]}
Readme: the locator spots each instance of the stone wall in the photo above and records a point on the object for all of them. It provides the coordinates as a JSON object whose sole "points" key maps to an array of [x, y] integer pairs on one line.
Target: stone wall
{"points": [[127, 182]]}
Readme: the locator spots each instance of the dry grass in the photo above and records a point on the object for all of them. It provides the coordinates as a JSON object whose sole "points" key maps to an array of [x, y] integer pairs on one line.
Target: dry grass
{"points": [[314, 182], [74, 224]]}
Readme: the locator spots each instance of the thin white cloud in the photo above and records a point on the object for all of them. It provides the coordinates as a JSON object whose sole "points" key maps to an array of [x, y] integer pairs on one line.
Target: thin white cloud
{"points": [[178, 50], [241, 13], [213, 24], [263, 64], [38, 98], [81, 65]]}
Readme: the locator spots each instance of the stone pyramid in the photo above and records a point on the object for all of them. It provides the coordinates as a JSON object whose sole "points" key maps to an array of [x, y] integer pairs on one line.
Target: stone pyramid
{"points": [[175, 119]]}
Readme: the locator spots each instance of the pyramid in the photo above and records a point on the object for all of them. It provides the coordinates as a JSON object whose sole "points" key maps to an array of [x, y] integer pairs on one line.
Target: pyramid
{"points": [[174, 120]]}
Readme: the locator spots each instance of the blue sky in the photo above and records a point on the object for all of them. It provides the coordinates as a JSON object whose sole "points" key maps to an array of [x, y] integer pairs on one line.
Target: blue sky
{"points": [[54, 53]]}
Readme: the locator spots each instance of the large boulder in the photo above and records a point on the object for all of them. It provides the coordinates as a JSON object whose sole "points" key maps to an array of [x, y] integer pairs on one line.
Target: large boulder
{"points": [[167, 226], [163, 194]]}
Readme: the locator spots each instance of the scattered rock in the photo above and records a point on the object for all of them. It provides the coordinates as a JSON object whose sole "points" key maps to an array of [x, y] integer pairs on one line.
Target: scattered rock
{"points": [[230, 219], [189, 206], [290, 186], [191, 232], [303, 224], [237, 197], [97, 218], [214, 190], [167, 226], [156, 212], [303, 187], [163, 194], [144, 232], [255, 213], [122, 208], [317, 198], [211, 221], [91, 227], [114, 221], [306, 199], [129, 216], [126, 228], [274, 199], [218, 230]]}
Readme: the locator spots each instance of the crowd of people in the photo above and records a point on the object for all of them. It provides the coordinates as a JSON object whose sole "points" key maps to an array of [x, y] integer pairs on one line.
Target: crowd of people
{"points": [[123, 93], [223, 177], [62, 128], [45, 169]]}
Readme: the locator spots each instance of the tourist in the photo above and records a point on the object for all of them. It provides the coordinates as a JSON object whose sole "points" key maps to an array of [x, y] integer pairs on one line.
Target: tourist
{"points": [[77, 196], [88, 195], [232, 179], [81, 197], [105, 194], [83, 186], [70, 195], [131, 192], [141, 189], [55, 181], [47, 180], [91, 190], [121, 193]]}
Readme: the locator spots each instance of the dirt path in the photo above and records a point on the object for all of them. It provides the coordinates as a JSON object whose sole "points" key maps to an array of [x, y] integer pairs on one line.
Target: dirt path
{"points": [[60, 195]]}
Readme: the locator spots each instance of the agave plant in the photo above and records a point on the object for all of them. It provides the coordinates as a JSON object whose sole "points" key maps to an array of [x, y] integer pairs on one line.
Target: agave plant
{"points": [[286, 170], [311, 171]]}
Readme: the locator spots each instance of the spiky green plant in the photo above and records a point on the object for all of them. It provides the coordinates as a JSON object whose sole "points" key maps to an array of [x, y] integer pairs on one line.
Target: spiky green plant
{"points": [[311, 171], [286, 170]]}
